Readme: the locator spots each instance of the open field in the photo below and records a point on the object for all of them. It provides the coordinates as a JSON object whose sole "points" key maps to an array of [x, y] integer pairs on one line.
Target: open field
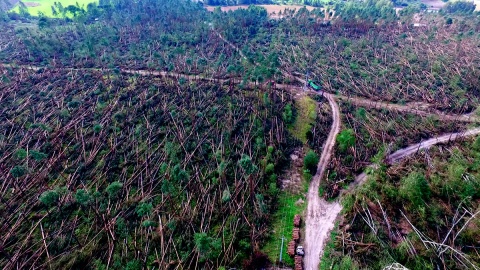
{"points": [[437, 4], [271, 9], [45, 6], [433, 3]]}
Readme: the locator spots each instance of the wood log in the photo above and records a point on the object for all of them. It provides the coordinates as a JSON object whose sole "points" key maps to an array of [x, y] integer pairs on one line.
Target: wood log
{"points": [[297, 221], [291, 248], [296, 234]]}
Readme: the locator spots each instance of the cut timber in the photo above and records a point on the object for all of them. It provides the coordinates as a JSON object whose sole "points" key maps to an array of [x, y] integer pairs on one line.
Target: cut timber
{"points": [[298, 262], [296, 234], [291, 248], [297, 221]]}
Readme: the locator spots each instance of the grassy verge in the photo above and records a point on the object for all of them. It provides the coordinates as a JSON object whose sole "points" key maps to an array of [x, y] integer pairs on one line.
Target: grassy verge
{"points": [[45, 6], [283, 226], [306, 115]]}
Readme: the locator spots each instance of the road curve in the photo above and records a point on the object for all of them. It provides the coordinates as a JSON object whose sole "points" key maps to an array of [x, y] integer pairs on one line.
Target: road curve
{"points": [[321, 215], [412, 149]]}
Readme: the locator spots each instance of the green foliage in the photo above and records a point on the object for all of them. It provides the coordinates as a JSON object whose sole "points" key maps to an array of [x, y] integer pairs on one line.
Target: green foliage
{"points": [[82, 197], [18, 171], [269, 169], [180, 175], [49, 198], [310, 161], [133, 265], [465, 7], [21, 153], [361, 113], [121, 227], [247, 165], [73, 104], [226, 195], [114, 189], [287, 114], [369, 10], [305, 118], [346, 139], [37, 155], [149, 223], [97, 128], [144, 209], [208, 247]]}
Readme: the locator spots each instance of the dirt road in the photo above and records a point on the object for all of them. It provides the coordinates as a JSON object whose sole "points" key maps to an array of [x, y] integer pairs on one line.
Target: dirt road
{"points": [[321, 214], [418, 108], [412, 149]]}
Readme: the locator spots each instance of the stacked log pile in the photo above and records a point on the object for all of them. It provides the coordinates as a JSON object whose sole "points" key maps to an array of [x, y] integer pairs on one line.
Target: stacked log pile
{"points": [[292, 245], [298, 262], [291, 248], [297, 221], [296, 234]]}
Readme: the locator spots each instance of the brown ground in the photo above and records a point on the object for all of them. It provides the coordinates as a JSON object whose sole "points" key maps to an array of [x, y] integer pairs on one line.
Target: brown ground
{"points": [[271, 9], [291, 180]]}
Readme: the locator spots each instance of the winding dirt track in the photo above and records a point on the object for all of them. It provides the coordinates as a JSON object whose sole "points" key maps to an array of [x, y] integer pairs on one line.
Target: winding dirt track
{"points": [[321, 215], [412, 149]]}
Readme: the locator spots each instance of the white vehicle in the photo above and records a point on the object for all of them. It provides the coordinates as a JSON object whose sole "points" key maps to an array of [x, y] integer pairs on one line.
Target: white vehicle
{"points": [[300, 251]]}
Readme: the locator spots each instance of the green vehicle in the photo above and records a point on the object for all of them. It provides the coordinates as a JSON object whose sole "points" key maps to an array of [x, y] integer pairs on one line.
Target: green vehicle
{"points": [[314, 86]]}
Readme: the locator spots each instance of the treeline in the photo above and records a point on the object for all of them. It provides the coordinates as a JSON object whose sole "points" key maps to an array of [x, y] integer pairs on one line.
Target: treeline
{"points": [[237, 2], [315, 3]]}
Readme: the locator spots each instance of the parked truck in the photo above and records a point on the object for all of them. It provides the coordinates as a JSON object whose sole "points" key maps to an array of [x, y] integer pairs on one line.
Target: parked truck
{"points": [[314, 86]]}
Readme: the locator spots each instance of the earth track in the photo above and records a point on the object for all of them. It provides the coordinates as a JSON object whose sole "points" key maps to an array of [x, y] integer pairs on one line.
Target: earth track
{"points": [[321, 215]]}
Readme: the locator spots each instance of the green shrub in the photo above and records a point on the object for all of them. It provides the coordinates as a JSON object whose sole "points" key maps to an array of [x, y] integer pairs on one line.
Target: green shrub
{"points": [[97, 128], [247, 165], [144, 209], [226, 195], [149, 223], [415, 188], [133, 265], [37, 155], [346, 139], [82, 197], [49, 198], [270, 168], [21, 154], [310, 162], [113, 189], [287, 114], [18, 171]]}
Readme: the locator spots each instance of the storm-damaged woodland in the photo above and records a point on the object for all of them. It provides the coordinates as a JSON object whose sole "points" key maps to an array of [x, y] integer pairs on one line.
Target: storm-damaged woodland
{"points": [[161, 135]]}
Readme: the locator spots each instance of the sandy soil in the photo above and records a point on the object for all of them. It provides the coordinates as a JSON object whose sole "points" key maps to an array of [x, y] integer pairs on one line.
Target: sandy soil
{"points": [[321, 215]]}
